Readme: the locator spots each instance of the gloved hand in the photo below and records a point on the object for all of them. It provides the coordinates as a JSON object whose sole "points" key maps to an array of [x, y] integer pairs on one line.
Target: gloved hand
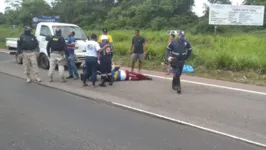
{"points": [[170, 59]]}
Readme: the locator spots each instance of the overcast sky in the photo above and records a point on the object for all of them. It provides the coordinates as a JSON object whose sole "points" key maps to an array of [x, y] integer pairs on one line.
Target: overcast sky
{"points": [[198, 9]]}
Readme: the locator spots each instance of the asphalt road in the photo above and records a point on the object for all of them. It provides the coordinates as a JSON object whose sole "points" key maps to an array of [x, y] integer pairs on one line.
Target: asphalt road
{"points": [[5, 57], [33, 117]]}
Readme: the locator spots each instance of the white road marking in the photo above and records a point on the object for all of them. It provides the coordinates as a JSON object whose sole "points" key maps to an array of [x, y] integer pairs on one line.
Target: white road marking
{"points": [[190, 124], [212, 85]]}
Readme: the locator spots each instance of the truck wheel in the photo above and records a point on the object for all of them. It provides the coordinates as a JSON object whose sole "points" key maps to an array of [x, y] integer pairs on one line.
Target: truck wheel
{"points": [[18, 58], [11, 48], [44, 61]]}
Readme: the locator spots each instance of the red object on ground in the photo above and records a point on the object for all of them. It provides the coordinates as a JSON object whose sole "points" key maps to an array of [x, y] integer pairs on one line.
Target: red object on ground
{"points": [[135, 76]]}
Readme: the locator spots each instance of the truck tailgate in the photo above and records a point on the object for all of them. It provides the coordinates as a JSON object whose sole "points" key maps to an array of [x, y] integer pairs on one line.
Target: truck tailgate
{"points": [[11, 42]]}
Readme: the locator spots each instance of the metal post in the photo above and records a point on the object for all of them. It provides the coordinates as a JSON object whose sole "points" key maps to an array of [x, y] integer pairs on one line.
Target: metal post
{"points": [[215, 30]]}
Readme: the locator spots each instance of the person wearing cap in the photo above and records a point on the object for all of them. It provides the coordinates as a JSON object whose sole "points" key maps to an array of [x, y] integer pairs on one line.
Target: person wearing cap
{"points": [[57, 44], [91, 60], [139, 44], [180, 50], [70, 56], [28, 45], [105, 36], [106, 57]]}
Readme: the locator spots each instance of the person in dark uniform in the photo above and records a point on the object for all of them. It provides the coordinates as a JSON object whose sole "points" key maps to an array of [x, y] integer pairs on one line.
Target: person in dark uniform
{"points": [[57, 44], [106, 58], [28, 45], [180, 50]]}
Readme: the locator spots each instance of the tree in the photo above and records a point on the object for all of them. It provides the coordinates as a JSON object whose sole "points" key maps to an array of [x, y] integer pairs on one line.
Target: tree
{"points": [[113, 14], [2, 18], [220, 1], [21, 11], [206, 6]]}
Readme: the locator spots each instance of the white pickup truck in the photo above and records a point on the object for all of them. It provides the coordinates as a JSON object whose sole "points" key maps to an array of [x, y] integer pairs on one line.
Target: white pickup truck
{"points": [[44, 30]]}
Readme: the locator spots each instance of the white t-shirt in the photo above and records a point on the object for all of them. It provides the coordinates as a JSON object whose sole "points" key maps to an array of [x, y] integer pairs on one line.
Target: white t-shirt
{"points": [[123, 75], [104, 37], [91, 48]]}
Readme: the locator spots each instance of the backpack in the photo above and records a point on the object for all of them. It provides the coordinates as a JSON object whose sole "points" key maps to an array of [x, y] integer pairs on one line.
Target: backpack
{"points": [[29, 42]]}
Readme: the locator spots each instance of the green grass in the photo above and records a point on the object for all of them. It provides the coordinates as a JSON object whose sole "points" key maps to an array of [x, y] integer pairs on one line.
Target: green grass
{"points": [[242, 55], [245, 52], [7, 32]]}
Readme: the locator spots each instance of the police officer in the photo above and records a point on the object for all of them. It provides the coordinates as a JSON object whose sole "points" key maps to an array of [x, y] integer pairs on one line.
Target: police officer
{"points": [[57, 45], [180, 50], [29, 47], [106, 58]]}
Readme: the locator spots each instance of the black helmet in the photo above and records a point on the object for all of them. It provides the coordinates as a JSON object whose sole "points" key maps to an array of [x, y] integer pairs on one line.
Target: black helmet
{"points": [[58, 31]]}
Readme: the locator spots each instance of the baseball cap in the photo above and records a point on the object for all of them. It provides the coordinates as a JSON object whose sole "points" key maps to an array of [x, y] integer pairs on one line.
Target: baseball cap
{"points": [[105, 30], [137, 30]]}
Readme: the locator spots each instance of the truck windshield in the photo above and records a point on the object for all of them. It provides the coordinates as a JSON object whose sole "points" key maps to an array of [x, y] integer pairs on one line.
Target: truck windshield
{"points": [[79, 34]]}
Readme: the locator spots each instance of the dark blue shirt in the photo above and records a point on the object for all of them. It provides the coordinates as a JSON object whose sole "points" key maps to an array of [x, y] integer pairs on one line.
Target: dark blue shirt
{"points": [[70, 45]]}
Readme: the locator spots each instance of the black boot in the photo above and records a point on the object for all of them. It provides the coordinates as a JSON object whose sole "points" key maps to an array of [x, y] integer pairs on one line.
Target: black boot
{"points": [[110, 80], [178, 86], [69, 77], [174, 83], [103, 81]]}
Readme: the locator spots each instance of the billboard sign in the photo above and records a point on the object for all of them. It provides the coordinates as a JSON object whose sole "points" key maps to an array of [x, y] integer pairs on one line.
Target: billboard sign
{"points": [[38, 19], [246, 15]]}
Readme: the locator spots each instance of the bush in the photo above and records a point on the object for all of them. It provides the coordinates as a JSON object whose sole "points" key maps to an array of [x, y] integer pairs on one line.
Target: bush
{"points": [[235, 53]]}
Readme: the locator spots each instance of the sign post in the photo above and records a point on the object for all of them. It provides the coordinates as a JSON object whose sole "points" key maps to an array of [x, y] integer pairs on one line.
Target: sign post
{"points": [[238, 15]]}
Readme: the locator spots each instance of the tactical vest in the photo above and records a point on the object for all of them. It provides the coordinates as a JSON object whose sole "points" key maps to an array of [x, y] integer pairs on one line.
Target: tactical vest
{"points": [[29, 42], [56, 44]]}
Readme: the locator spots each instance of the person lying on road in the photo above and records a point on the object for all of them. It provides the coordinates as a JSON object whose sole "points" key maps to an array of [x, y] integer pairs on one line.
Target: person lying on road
{"points": [[122, 75]]}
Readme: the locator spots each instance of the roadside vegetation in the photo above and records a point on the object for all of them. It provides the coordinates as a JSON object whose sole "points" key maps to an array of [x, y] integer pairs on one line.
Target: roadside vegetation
{"points": [[234, 54]]}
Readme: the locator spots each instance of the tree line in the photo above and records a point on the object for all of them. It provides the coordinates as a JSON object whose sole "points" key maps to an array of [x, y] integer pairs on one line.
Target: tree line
{"points": [[119, 14]]}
